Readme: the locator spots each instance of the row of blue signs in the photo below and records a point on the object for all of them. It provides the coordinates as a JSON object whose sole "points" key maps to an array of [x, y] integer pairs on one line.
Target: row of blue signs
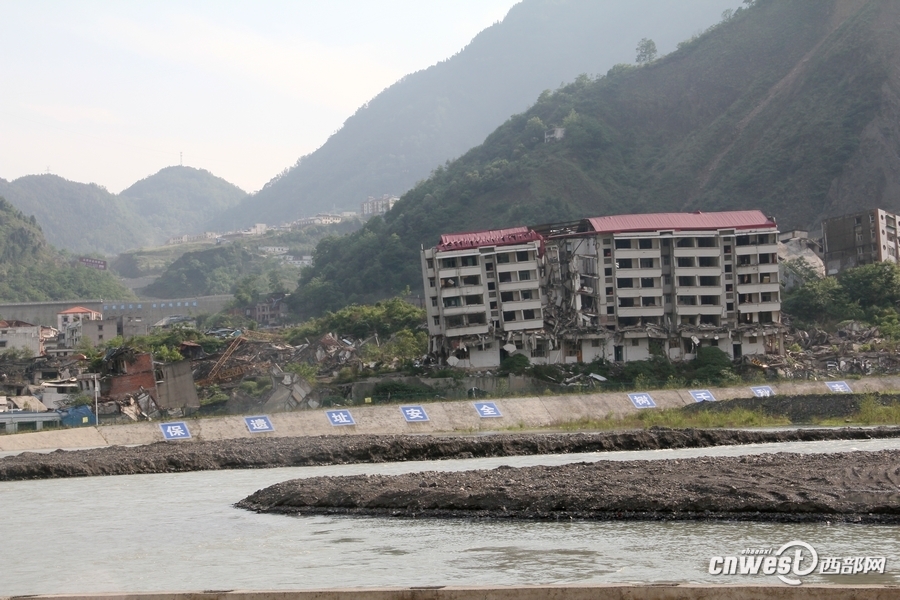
{"points": [[416, 414], [644, 400], [178, 430]]}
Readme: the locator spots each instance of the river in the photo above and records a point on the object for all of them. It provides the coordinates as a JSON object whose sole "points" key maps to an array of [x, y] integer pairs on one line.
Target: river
{"points": [[180, 532]]}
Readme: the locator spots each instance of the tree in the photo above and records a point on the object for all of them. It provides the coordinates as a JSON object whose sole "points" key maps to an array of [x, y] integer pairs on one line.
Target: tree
{"points": [[875, 285], [646, 51]]}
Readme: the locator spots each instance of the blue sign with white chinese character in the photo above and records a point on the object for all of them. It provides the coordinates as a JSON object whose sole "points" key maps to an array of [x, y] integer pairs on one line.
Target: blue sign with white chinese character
{"points": [[702, 396], [487, 410], [259, 424], [839, 386], [413, 414], [762, 391], [642, 400], [340, 417], [175, 431]]}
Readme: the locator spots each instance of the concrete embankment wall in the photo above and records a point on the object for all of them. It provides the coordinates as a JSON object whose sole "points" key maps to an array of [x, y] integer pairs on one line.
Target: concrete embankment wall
{"points": [[572, 592], [444, 417]]}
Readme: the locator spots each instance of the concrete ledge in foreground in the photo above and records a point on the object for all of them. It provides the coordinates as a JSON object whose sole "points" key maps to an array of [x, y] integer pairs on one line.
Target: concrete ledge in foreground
{"points": [[564, 592]]}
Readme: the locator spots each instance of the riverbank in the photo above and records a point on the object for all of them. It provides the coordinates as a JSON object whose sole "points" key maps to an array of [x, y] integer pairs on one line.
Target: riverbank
{"points": [[855, 487], [257, 453]]}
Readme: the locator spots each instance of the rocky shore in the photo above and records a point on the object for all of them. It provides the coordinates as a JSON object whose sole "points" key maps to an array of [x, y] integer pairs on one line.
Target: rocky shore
{"points": [[861, 487]]}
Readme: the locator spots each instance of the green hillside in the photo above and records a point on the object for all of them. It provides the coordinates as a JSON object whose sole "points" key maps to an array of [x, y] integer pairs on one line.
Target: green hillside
{"points": [[85, 218], [31, 270], [436, 114], [79, 217], [180, 200], [789, 106]]}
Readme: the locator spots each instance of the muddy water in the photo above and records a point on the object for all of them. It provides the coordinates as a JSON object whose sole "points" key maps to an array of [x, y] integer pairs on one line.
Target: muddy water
{"points": [[180, 532]]}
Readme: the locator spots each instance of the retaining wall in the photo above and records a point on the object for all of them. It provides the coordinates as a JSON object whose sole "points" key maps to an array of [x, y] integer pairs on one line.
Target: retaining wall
{"points": [[444, 417]]}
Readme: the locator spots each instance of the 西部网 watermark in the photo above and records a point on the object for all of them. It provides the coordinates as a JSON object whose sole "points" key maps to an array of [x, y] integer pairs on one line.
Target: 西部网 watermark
{"points": [[792, 561]]}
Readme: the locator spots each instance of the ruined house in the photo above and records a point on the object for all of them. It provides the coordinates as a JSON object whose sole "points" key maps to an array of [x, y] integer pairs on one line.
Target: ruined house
{"points": [[620, 288], [129, 376]]}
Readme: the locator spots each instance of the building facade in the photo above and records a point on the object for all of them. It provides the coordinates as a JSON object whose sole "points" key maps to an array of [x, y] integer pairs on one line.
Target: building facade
{"points": [[617, 288], [859, 239], [377, 206]]}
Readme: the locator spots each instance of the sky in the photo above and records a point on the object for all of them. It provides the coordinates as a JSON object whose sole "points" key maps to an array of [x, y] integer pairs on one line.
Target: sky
{"points": [[110, 92]]}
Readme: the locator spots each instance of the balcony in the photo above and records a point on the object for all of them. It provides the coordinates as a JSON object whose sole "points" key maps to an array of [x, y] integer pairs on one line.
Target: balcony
{"points": [[754, 307], [533, 304], [638, 273], [636, 253], [698, 251], [700, 309], [467, 330], [459, 271], [472, 309], [640, 311]]}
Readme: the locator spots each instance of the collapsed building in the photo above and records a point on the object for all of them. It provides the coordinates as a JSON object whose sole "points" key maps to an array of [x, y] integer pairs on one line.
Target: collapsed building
{"points": [[618, 288]]}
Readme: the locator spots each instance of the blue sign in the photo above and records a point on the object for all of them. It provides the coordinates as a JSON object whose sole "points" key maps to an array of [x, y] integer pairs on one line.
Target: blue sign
{"points": [[762, 391], [259, 424], [702, 396], [642, 400], [175, 431], [340, 417], [487, 410], [414, 414], [839, 386]]}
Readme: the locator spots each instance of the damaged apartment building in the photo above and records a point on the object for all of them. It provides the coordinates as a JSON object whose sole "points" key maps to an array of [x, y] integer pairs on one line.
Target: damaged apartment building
{"points": [[618, 288]]}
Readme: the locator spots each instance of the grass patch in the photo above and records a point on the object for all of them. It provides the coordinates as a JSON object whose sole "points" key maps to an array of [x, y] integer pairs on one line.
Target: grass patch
{"points": [[871, 412], [678, 419]]}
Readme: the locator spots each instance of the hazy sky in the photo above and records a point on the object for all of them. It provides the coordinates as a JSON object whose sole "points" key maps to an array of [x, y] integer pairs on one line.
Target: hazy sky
{"points": [[110, 92]]}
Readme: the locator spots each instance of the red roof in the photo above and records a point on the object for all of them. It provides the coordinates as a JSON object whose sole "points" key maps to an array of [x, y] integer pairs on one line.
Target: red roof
{"points": [[735, 219], [76, 310], [492, 237]]}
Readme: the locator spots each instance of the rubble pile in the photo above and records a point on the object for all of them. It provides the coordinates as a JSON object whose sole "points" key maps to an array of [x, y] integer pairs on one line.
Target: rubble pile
{"points": [[854, 349]]}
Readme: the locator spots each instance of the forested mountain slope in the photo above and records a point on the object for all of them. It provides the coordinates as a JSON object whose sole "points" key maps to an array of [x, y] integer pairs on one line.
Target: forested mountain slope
{"points": [[81, 217], [31, 270], [436, 114], [85, 217], [791, 106], [179, 200]]}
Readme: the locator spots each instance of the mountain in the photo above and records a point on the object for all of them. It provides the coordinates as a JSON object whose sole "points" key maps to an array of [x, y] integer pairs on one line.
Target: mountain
{"points": [[179, 200], [85, 217], [436, 114], [81, 217], [32, 270], [788, 106]]}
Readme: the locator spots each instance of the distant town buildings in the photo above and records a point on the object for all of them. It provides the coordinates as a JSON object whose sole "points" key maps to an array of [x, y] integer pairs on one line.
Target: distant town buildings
{"points": [[619, 288], [319, 219], [377, 206], [859, 239]]}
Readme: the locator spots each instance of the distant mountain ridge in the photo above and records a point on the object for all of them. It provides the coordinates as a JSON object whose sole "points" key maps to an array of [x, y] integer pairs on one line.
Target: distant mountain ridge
{"points": [[85, 217], [436, 114], [789, 106]]}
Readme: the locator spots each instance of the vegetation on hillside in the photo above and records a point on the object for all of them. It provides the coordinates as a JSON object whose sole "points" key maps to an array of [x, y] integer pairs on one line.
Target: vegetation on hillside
{"points": [[180, 200], [31, 270], [870, 294], [425, 118], [764, 111], [83, 217], [228, 269]]}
